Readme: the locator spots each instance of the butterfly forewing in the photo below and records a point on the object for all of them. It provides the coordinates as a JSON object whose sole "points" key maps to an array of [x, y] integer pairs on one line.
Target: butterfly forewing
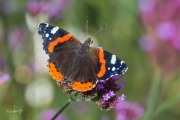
{"points": [[65, 61]]}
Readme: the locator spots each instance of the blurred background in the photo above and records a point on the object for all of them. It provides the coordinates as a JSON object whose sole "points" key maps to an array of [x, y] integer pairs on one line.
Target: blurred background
{"points": [[144, 33]]}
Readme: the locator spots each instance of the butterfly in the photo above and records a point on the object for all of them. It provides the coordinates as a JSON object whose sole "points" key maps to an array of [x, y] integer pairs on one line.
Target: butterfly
{"points": [[75, 63]]}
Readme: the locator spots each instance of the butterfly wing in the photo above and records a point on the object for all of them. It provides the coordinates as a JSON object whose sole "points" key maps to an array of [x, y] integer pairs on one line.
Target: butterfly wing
{"points": [[109, 65], [85, 74], [82, 71], [54, 36], [61, 47], [65, 62]]}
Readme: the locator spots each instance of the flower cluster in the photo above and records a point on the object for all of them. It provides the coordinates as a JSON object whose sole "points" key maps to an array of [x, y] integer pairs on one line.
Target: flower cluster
{"points": [[53, 9], [4, 78], [104, 93], [161, 39], [128, 111], [17, 36]]}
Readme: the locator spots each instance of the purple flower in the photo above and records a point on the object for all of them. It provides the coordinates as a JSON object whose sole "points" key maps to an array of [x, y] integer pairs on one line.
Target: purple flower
{"points": [[105, 93], [108, 95], [52, 9], [122, 97], [161, 37], [34, 7], [146, 5], [100, 86], [128, 111], [49, 113], [147, 43], [176, 40], [166, 31], [4, 78], [17, 36]]}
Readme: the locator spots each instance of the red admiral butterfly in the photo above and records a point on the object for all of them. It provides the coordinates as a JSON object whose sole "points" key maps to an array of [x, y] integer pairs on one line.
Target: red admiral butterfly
{"points": [[76, 63]]}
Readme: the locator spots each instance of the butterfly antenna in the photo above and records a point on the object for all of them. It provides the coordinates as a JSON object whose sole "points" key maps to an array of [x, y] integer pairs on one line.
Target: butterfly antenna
{"points": [[87, 23], [99, 30]]}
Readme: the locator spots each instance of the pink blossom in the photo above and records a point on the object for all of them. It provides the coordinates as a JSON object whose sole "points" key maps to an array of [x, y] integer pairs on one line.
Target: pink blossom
{"points": [[128, 111]]}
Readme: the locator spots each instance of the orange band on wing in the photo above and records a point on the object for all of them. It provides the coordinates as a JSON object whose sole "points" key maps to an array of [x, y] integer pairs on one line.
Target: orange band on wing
{"points": [[54, 73], [58, 40], [102, 62], [83, 86]]}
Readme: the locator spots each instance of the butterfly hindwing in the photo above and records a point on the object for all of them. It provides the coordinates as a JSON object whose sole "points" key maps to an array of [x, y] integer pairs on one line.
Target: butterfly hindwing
{"points": [[111, 65]]}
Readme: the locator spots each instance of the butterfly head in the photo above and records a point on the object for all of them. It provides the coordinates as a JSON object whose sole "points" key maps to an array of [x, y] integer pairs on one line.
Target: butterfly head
{"points": [[88, 41]]}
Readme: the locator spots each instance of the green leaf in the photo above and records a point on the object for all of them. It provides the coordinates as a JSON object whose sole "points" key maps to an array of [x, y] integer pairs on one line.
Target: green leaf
{"points": [[153, 98], [168, 104]]}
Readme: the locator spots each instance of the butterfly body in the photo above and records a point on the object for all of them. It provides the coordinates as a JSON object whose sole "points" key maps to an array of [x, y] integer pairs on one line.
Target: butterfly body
{"points": [[76, 63]]}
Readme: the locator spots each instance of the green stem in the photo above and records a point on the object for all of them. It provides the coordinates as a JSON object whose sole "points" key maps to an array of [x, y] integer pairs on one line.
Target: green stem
{"points": [[18, 91], [61, 110], [153, 99], [65, 106]]}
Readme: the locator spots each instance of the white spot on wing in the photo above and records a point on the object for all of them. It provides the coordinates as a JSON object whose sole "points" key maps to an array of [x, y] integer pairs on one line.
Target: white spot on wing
{"points": [[108, 68], [54, 30], [47, 24], [113, 59], [47, 35], [122, 62], [113, 69]]}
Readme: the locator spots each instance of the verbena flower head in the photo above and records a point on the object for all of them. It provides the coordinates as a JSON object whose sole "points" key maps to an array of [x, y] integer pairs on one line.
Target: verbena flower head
{"points": [[34, 7], [4, 78], [128, 111], [104, 93], [161, 39], [52, 9], [17, 36]]}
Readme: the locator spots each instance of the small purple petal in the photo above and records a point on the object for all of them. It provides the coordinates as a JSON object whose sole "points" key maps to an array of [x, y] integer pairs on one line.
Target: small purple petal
{"points": [[4, 78], [100, 86], [106, 97], [117, 77], [122, 84], [111, 93], [122, 97]]}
